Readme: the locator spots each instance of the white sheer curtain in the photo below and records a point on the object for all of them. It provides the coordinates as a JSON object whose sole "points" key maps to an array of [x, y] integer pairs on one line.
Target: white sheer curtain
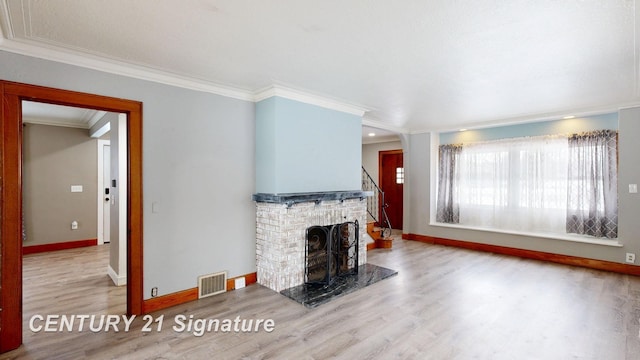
{"points": [[514, 184]]}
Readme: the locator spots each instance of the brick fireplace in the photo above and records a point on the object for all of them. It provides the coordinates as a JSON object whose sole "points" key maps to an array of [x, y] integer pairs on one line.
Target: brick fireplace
{"points": [[281, 224]]}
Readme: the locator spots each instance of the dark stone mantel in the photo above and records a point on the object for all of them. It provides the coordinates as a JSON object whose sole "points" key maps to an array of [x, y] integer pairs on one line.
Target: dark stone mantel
{"points": [[317, 197]]}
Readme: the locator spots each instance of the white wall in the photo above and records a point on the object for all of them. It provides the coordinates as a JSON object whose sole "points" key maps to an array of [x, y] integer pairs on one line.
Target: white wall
{"points": [[198, 167], [370, 156]]}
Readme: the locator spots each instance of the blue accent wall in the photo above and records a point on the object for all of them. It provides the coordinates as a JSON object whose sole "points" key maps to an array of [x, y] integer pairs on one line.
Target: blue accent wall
{"points": [[306, 148], [266, 144], [564, 126]]}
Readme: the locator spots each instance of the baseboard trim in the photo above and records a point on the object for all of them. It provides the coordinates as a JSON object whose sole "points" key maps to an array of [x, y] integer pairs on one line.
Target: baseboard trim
{"points": [[118, 280], [169, 300], [181, 297], [249, 279], [34, 249], [384, 243], [530, 254]]}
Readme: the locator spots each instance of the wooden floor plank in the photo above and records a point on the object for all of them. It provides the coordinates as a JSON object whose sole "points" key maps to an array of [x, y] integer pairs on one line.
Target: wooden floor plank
{"points": [[445, 303]]}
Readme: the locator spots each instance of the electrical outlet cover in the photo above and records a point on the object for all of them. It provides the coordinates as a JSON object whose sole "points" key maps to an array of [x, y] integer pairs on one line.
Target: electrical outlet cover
{"points": [[631, 258], [240, 283]]}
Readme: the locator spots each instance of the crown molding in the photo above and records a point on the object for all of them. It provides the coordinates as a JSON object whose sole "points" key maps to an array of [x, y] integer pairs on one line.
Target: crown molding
{"points": [[304, 97], [78, 57], [90, 61], [62, 123], [384, 126], [533, 118], [94, 62], [380, 140], [96, 116], [5, 29]]}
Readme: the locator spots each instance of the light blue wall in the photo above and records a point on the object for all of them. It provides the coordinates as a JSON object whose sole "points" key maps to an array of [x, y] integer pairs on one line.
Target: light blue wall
{"points": [[565, 126], [266, 144], [419, 201], [306, 148], [198, 167]]}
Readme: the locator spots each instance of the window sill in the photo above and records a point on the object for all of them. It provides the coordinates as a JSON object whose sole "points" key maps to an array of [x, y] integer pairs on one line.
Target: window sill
{"points": [[575, 238]]}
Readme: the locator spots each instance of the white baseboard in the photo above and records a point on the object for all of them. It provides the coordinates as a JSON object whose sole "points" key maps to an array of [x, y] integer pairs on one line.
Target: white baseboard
{"points": [[118, 280]]}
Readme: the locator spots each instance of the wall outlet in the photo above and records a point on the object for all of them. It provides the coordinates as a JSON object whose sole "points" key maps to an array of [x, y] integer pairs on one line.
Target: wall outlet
{"points": [[154, 291], [74, 225], [631, 258]]}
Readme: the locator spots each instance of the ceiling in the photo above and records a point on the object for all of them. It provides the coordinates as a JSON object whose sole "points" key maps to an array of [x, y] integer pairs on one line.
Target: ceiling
{"points": [[411, 65]]}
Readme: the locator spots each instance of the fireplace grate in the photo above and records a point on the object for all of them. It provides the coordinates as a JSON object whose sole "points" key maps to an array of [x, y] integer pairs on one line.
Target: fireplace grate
{"points": [[331, 251]]}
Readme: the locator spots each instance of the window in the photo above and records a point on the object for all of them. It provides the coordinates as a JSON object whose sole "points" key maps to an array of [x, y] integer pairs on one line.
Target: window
{"points": [[552, 184], [399, 175]]}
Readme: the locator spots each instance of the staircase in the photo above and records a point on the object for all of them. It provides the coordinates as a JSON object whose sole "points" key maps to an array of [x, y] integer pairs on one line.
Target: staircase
{"points": [[379, 242], [378, 225]]}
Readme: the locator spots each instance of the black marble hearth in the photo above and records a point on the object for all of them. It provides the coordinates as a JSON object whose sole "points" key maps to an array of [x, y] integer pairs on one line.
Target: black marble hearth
{"points": [[294, 198], [312, 295]]}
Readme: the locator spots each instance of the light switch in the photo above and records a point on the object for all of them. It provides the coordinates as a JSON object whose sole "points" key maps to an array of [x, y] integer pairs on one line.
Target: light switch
{"points": [[633, 188], [76, 188]]}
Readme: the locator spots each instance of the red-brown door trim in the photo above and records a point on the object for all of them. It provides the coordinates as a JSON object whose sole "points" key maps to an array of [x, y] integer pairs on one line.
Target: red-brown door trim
{"points": [[12, 94]]}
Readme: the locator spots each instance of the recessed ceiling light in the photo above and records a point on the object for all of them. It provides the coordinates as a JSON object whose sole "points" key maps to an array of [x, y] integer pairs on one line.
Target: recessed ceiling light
{"points": [[372, 134], [463, 129], [569, 117]]}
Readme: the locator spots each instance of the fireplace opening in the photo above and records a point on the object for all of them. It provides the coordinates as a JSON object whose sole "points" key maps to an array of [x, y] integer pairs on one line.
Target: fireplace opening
{"points": [[331, 252]]}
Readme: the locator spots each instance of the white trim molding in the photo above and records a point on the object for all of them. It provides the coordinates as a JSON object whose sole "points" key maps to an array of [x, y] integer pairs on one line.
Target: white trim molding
{"points": [[57, 122], [384, 126], [118, 280], [94, 62], [101, 186], [25, 44], [534, 118], [304, 97]]}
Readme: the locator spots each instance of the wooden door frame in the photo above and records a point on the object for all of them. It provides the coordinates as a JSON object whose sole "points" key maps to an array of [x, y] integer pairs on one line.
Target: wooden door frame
{"points": [[12, 94]]}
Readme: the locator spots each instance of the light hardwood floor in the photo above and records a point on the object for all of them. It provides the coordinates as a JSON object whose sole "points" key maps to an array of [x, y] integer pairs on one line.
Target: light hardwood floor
{"points": [[445, 303]]}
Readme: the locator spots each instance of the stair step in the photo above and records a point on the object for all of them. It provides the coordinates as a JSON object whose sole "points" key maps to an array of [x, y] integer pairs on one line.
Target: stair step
{"points": [[371, 230], [384, 243], [370, 226]]}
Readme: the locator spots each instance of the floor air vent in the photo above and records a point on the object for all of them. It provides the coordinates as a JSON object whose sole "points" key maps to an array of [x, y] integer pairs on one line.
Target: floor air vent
{"points": [[212, 284]]}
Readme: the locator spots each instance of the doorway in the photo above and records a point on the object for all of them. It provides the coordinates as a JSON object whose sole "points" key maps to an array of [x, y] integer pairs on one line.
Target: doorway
{"points": [[104, 176], [392, 184], [12, 95]]}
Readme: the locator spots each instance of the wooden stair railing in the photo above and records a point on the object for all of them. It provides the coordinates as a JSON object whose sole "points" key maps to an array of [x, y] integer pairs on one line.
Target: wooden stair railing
{"points": [[376, 206]]}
